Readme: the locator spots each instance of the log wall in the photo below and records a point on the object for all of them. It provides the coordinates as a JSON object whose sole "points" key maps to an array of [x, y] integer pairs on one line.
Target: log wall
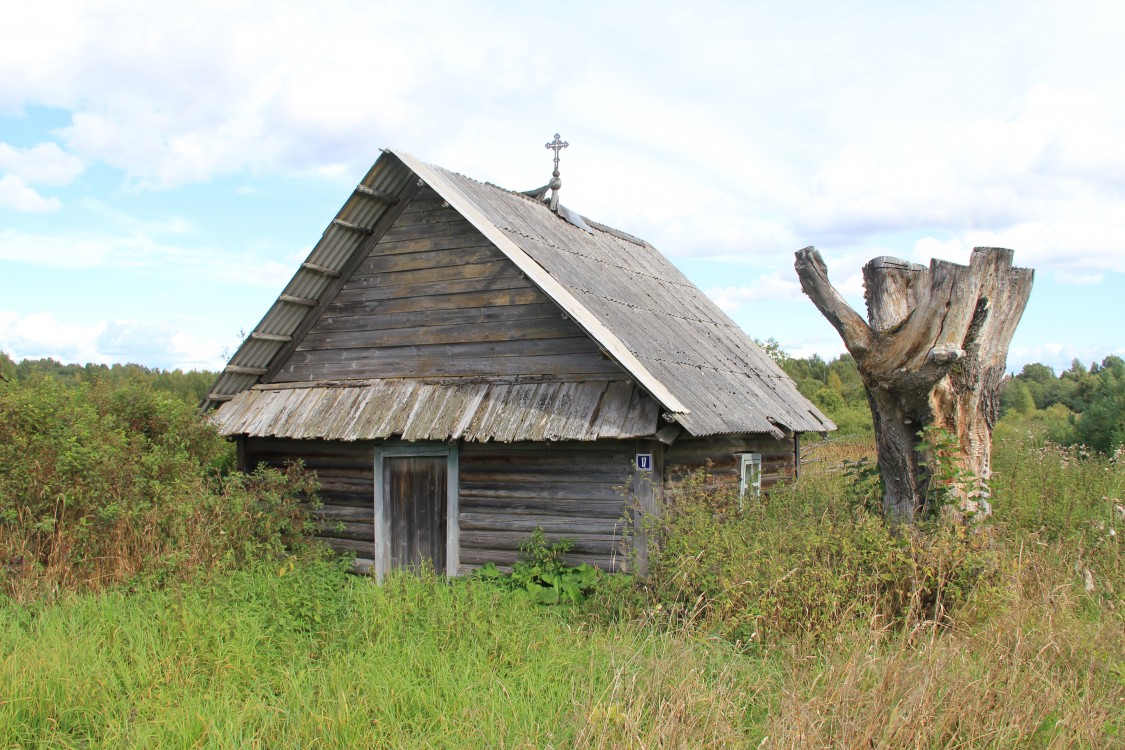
{"points": [[575, 490], [572, 490], [690, 454], [347, 487]]}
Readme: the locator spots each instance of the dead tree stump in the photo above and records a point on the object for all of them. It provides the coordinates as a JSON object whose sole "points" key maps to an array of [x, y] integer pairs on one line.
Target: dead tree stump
{"points": [[932, 352]]}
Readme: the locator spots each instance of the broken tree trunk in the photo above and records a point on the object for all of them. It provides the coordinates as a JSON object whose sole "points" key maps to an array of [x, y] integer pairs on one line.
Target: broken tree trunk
{"points": [[933, 352]]}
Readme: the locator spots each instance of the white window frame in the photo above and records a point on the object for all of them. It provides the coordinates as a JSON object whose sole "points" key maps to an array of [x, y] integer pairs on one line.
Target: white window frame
{"points": [[750, 476], [452, 526]]}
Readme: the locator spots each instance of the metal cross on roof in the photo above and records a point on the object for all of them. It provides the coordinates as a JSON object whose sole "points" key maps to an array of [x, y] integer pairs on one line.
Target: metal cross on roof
{"points": [[556, 145]]}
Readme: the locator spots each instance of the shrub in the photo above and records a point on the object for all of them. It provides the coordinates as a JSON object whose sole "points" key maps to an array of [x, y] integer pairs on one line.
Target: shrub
{"points": [[101, 484], [542, 575], [805, 561]]}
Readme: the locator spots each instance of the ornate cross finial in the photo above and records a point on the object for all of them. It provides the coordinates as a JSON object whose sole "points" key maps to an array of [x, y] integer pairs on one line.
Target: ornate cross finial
{"points": [[556, 145]]}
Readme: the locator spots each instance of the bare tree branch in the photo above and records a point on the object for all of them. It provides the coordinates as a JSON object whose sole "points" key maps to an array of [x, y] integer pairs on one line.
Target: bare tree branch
{"points": [[814, 281]]}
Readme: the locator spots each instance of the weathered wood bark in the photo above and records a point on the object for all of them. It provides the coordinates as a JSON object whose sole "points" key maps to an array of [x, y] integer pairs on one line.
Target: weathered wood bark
{"points": [[932, 352]]}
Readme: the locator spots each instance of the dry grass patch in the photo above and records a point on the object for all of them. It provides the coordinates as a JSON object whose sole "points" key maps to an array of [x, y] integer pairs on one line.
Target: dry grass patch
{"points": [[680, 693], [1045, 671]]}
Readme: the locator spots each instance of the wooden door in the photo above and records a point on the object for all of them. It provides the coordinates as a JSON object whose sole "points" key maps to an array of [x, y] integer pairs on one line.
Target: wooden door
{"points": [[415, 493]]}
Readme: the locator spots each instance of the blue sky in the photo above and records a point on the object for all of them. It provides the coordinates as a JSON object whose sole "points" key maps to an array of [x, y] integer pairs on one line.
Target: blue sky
{"points": [[164, 169]]}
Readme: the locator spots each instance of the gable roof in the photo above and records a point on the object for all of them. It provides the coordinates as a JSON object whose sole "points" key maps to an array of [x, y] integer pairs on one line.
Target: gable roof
{"points": [[688, 355]]}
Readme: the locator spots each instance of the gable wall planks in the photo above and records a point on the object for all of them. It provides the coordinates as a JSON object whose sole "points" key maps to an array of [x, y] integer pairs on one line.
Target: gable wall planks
{"points": [[387, 218], [427, 318], [535, 328], [433, 297]]}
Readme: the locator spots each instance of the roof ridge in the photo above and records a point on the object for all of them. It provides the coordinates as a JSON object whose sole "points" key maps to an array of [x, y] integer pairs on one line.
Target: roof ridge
{"points": [[523, 196]]}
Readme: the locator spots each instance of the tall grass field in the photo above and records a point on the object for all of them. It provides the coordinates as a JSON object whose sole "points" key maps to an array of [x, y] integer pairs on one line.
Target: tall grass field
{"points": [[798, 621]]}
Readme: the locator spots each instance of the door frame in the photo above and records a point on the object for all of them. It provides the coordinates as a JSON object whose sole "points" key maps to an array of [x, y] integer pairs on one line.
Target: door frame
{"points": [[452, 478]]}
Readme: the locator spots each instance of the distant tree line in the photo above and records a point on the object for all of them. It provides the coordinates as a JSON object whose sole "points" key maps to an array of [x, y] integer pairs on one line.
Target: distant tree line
{"points": [[1080, 406], [190, 386], [834, 386]]}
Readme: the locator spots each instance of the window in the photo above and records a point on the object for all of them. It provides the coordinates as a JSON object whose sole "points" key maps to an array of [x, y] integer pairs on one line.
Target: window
{"points": [[750, 471]]}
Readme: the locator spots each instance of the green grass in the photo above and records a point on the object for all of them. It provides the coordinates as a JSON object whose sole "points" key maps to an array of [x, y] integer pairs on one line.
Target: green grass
{"points": [[312, 658], [296, 654]]}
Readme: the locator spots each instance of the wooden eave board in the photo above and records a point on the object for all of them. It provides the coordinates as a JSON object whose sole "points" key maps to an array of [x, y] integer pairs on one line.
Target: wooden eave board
{"points": [[336, 247], [416, 410]]}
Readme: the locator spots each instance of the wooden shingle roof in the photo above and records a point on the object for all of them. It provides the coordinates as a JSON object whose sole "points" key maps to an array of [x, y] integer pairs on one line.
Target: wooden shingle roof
{"points": [[685, 352]]}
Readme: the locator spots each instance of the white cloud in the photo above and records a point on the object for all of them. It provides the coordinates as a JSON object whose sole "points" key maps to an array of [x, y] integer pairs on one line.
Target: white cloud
{"points": [[768, 287], [953, 250], [160, 344], [1045, 183], [733, 142], [198, 353], [81, 251], [828, 349], [1077, 239], [17, 195], [39, 335], [155, 344], [44, 164], [140, 249], [226, 88]]}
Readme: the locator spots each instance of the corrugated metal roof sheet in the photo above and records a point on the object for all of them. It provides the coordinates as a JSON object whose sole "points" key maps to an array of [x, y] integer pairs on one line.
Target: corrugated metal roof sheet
{"points": [[682, 338], [419, 410]]}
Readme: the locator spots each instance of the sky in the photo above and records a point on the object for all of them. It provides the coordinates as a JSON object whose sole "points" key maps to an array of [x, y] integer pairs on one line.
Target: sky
{"points": [[165, 168]]}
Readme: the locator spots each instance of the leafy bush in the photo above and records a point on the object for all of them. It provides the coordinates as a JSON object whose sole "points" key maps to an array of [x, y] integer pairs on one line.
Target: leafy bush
{"points": [[102, 484], [951, 489], [863, 485], [542, 575], [804, 562]]}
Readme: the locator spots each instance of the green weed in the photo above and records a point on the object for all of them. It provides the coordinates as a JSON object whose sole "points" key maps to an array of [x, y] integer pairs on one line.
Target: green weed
{"points": [[542, 575], [805, 562]]}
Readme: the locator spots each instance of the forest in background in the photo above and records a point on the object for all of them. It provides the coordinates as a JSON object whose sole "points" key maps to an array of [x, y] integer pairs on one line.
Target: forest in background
{"points": [[189, 387], [1080, 406]]}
